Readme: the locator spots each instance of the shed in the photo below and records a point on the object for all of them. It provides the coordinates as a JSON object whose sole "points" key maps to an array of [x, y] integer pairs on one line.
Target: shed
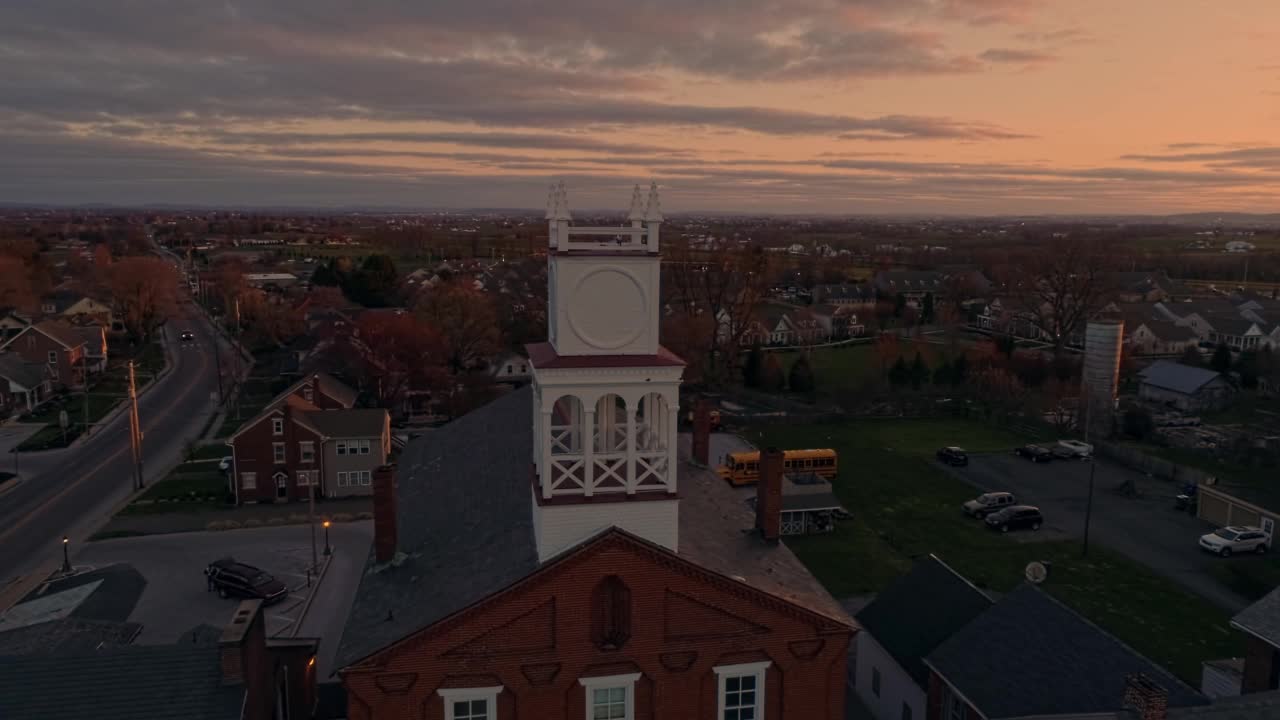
{"points": [[1187, 388]]}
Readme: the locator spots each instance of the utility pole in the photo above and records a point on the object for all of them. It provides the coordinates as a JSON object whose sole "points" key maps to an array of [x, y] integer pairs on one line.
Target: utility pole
{"points": [[217, 361], [84, 384], [1088, 506], [135, 431], [311, 515]]}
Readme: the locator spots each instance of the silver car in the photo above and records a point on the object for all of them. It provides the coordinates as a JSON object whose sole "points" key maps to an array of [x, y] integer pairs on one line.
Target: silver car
{"points": [[1235, 539]]}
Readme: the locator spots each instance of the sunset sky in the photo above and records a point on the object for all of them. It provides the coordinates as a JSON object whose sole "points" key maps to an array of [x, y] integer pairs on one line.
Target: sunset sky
{"points": [[830, 106]]}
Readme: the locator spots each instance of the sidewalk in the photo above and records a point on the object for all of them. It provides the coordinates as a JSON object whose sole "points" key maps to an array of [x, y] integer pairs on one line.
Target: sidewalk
{"points": [[246, 515]]}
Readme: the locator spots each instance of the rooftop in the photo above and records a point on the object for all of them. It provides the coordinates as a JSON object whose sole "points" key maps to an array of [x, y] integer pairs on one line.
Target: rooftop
{"points": [[1177, 377], [1262, 619], [348, 423], [1031, 655], [543, 355], [458, 550], [14, 369], [919, 611]]}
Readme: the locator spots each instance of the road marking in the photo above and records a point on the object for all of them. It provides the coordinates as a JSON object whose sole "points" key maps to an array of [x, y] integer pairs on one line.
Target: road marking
{"points": [[204, 365]]}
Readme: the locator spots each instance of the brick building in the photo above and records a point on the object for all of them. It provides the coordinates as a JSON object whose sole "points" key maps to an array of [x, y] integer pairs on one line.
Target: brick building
{"points": [[310, 433], [553, 555], [56, 344]]}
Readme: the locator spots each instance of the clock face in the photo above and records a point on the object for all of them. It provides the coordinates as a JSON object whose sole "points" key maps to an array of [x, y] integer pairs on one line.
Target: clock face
{"points": [[608, 308]]}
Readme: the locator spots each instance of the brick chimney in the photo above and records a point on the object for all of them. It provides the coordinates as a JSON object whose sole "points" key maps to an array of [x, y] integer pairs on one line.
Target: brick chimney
{"points": [[1147, 700], [243, 658], [769, 494], [702, 433], [385, 535]]}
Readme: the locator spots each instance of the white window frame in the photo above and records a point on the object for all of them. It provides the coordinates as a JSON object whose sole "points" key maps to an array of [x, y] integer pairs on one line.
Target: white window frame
{"points": [[488, 694], [307, 451], [340, 447], [756, 670], [342, 479], [608, 682], [249, 481], [277, 426], [364, 447], [366, 478], [53, 357], [278, 454]]}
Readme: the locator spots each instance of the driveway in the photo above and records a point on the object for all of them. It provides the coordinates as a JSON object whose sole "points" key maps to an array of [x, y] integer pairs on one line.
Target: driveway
{"points": [[1145, 528], [175, 598]]}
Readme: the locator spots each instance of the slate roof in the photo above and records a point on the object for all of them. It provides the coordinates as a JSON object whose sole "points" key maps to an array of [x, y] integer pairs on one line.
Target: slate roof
{"points": [[351, 423], [1177, 377], [919, 611], [158, 682], [465, 519], [61, 332], [68, 635], [1262, 619], [14, 369], [1030, 655], [336, 389]]}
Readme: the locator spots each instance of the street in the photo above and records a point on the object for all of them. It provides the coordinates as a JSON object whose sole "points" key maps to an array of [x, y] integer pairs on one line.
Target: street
{"points": [[69, 492]]}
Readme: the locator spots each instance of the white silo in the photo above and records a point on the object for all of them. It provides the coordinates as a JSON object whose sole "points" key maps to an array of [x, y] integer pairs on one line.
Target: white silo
{"points": [[1103, 340]]}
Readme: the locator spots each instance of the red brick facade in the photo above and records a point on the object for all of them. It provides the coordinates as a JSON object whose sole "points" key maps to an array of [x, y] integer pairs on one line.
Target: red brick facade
{"points": [[613, 607], [254, 451], [937, 705], [35, 347], [1261, 666]]}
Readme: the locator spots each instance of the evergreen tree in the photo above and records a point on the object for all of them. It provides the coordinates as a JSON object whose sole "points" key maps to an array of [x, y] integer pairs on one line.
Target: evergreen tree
{"points": [[1221, 361], [1247, 367], [919, 372], [927, 309], [801, 379], [771, 376], [899, 375], [751, 367], [1191, 356], [960, 369], [899, 304], [1137, 423]]}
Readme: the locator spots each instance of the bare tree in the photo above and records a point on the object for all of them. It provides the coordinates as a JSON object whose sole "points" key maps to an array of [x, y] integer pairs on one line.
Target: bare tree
{"points": [[1064, 284], [145, 288], [465, 318], [726, 282]]}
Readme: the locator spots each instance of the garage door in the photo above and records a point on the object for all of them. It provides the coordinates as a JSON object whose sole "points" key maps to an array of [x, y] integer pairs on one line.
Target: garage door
{"points": [[1244, 516], [1213, 509]]}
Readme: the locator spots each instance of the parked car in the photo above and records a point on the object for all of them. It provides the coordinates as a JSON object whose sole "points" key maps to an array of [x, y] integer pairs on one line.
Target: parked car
{"points": [[1034, 453], [235, 579], [225, 464], [1233, 539], [1014, 517], [953, 456], [1082, 450], [988, 503], [1062, 453]]}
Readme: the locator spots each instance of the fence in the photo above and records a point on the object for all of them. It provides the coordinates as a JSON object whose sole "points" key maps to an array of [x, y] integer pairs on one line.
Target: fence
{"points": [[1156, 467]]}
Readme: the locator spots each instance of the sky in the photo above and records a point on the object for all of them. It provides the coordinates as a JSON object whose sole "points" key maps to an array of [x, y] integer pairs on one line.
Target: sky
{"points": [[974, 107]]}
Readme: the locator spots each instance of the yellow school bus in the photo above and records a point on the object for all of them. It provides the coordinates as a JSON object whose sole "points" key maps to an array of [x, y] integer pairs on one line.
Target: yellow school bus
{"points": [[743, 468]]}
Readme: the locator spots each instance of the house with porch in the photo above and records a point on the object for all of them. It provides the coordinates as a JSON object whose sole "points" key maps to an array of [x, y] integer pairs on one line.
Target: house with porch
{"points": [[57, 344], [25, 384]]}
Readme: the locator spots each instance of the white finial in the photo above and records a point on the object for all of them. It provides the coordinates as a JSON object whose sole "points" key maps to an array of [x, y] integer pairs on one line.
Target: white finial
{"points": [[552, 197], [637, 212], [653, 213], [562, 207]]}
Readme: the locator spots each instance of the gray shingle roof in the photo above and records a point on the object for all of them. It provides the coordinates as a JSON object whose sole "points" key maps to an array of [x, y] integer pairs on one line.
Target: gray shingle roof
{"points": [[919, 611], [1030, 655], [15, 369], [1177, 377], [466, 529], [1262, 618], [67, 635], [159, 682], [351, 423]]}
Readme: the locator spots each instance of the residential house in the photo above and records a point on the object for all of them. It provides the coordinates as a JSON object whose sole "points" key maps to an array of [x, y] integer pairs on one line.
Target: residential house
{"points": [[242, 675], [1005, 319], [79, 309], [1260, 623], [1219, 321], [1145, 286], [25, 384], [1028, 656], [1147, 331], [861, 296], [510, 367], [911, 284], [553, 554], [1187, 388], [778, 324], [838, 321], [309, 435], [12, 322], [57, 344], [905, 622], [95, 347]]}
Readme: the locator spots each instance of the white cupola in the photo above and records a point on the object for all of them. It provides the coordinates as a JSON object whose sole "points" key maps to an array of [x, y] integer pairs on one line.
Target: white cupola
{"points": [[606, 393]]}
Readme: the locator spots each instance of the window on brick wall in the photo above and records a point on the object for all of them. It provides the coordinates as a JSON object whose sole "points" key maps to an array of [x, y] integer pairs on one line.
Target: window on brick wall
{"points": [[277, 426], [610, 697], [53, 357], [277, 453], [249, 480], [470, 703], [306, 451], [741, 694], [610, 613]]}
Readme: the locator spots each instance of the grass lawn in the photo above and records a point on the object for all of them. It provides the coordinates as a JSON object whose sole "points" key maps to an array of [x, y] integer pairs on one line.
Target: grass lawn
{"points": [[849, 368], [190, 487], [1252, 577], [904, 506], [1256, 484], [215, 451], [50, 437]]}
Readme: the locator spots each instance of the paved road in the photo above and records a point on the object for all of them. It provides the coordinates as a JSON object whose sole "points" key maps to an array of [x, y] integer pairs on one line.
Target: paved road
{"points": [[70, 492], [1146, 528]]}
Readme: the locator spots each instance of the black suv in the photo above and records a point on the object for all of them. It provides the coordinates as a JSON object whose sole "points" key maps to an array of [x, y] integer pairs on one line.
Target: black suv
{"points": [[953, 456], [1014, 517], [1035, 453], [233, 579]]}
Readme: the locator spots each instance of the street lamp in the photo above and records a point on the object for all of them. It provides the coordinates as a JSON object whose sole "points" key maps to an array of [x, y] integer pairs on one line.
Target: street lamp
{"points": [[327, 549], [66, 559]]}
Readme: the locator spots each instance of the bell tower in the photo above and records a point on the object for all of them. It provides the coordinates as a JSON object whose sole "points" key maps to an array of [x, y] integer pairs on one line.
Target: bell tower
{"points": [[606, 393]]}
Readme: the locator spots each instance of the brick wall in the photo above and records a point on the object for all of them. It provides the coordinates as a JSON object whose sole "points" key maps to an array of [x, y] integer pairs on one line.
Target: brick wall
{"points": [[535, 640], [35, 347], [1261, 666], [253, 451]]}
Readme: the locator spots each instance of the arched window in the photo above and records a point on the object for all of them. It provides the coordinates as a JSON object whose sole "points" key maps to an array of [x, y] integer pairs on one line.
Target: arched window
{"points": [[611, 613], [566, 426], [611, 425]]}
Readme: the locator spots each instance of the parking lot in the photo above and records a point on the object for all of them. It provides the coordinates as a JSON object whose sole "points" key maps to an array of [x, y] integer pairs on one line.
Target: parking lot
{"points": [[1146, 527], [176, 598]]}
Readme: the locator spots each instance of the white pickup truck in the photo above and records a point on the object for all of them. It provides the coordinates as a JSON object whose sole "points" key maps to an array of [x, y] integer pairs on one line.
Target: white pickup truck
{"points": [[1082, 450]]}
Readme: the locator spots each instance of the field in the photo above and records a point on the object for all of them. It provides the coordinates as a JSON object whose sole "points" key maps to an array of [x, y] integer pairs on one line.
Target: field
{"points": [[904, 506]]}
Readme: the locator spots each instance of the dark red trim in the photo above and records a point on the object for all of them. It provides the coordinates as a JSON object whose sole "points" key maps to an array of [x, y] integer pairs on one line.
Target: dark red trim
{"points": [[544, 357]]}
